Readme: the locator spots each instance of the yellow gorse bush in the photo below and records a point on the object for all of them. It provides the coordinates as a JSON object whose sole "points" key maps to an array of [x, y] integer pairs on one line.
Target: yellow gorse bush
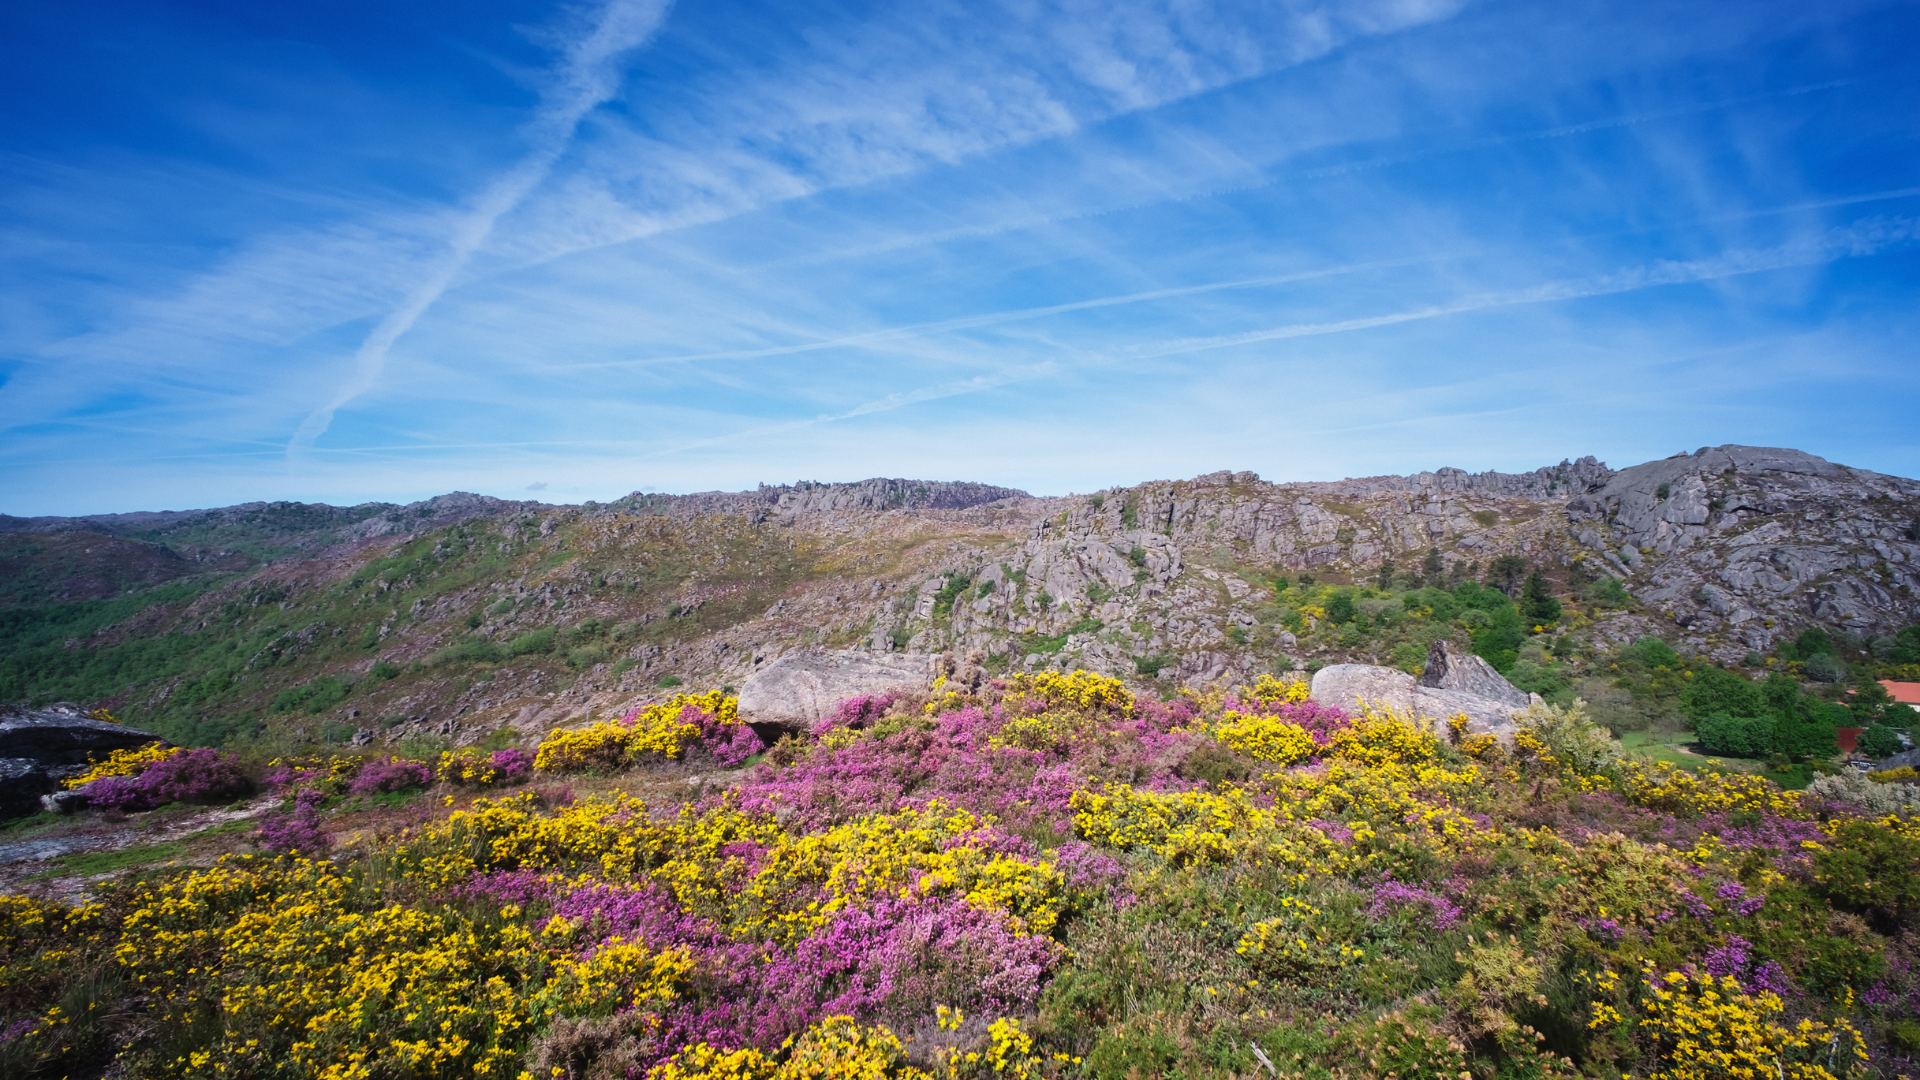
{"points": [[1267, 738], [1079, 689], [466, 768], [1290, 944], [1383, 736], [126, 763], [654, 731], [1705, 1028], [1044, 731], [1667, 787], [923, 851], [1275, 691], [1197, 827], [344, 988]]}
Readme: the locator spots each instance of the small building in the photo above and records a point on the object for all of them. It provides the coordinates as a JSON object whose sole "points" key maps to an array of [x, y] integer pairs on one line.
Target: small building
{"points": [[1906, 693]]}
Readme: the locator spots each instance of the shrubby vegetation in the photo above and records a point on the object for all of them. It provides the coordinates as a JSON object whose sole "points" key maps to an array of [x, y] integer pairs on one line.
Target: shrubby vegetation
{"points": [[1044, 876]]}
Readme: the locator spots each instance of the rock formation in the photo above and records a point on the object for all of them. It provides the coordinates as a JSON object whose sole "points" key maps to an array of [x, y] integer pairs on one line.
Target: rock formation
{"points": [[41, 747], [1448, 668], [1488, 705], [799, 689]]}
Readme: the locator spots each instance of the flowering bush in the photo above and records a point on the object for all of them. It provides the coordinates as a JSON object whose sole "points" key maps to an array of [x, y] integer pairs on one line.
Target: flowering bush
{"points": [[189, 776], [125, 763], [664, 730], [1266, 737], [1354, 896], [389, 774], [478, 768], [295, 829]]}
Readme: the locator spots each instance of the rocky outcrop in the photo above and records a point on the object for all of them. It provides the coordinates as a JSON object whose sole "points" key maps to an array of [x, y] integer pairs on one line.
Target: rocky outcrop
{"points": [[41, 747], [799, 689], [1350, 687], [1448, 668], [1747, 542], [787, 500]]}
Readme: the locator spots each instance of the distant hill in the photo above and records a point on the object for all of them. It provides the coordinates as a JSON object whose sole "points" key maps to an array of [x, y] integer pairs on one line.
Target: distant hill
{"points": [[463, 615]]}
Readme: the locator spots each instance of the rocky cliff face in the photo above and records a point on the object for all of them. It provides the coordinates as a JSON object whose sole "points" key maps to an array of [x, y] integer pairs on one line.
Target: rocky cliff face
{"points": [[1745, 542], [1728, 549], [788, 501]]}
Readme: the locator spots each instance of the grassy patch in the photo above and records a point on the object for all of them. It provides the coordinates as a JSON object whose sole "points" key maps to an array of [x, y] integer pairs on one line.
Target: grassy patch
{"points": [[1666, 746], [92, 863]]}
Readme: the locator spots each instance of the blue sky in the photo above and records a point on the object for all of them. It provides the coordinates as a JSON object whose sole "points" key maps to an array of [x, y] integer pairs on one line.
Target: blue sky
{"points": [[358, 250]]}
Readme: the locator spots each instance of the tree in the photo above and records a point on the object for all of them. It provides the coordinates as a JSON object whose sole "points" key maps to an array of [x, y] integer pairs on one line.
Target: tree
{"points": [[1650, 652], [1739, 736], [1826, 667], [1906, 646], [1506, 572], [1812, 642], [1869, 703], [1608, 592], [1434, 568], [1879, 741], [1494, 623], [1538, 606], [1578, 578], [1387, 572], [1340, 609], [1717, 691]]}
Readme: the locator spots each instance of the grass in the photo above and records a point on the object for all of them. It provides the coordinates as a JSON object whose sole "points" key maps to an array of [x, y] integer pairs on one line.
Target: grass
{"points": [[93, 863], [1666, 746]]}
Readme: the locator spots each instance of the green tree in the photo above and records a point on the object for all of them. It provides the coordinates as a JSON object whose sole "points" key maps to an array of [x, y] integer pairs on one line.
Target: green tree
{"points": [[1812, 642], [1826, 667], [1340, 609], [1609, 592], [1651, 652], [1538, 606], [1433, 567], [1506, 572], [1869, 703], [1906, 646], [1879, 741], [1715, 691], [1739, 736], [1494, 623], [1387, 572]]}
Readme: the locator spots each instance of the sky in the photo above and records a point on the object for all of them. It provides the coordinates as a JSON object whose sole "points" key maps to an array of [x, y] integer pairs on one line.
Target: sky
{"points": [[369, 251]]}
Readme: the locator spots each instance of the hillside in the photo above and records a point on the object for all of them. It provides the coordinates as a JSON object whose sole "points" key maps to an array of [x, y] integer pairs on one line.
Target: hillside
{"points": [[464, 616]]}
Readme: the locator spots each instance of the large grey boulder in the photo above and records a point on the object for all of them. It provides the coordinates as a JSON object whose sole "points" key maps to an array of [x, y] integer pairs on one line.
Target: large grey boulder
{"points": [[1449, 668], [1350, 686], [41, 747], [801, 688]]}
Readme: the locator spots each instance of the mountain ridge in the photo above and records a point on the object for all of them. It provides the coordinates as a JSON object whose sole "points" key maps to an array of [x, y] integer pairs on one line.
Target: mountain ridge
{"points": [[464, 614]]}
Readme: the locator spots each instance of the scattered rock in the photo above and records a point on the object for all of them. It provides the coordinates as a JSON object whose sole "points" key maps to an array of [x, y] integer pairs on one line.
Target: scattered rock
{"points": [[799, 689], [1349, 686], [41, 747], [1448, 668]]}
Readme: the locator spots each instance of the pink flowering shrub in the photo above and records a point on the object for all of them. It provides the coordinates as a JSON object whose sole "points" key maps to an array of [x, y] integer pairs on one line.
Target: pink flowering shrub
{"points": [[389, 774], [296, 829], [1051, 879], [187, 776]]}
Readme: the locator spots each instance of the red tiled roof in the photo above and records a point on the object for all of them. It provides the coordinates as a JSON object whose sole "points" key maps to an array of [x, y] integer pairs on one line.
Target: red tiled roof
{"points": [[1906, 693]]}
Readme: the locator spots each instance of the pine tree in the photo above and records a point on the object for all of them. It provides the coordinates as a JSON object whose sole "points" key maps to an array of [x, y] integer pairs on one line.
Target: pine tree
{"points": [[1538, 607]]}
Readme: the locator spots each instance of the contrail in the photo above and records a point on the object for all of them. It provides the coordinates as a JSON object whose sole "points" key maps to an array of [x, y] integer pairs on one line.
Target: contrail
{"points": [[587, 76], [995, 318], [1863, 238]]}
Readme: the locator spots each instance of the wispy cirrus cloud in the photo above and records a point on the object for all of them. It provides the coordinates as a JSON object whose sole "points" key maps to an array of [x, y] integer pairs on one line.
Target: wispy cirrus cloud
{"points": [[588, 75], [842, 239]]}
